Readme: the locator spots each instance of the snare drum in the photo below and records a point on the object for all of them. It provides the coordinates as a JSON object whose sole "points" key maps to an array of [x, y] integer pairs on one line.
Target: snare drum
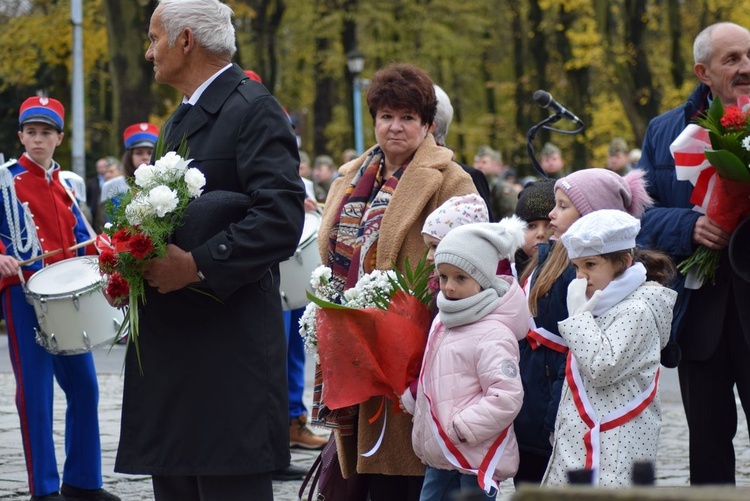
{"points": [[73, 314], [296, 271]]}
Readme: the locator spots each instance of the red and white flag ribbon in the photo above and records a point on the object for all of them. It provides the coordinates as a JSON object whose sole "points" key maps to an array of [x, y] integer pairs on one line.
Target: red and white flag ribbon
{"points": [[486, 469], [103, 242], [691, 164], [597, 425], [540, 336]]}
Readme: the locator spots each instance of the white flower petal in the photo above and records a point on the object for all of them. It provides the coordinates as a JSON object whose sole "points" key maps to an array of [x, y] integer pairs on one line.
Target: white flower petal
{"points": [[162, 200]]}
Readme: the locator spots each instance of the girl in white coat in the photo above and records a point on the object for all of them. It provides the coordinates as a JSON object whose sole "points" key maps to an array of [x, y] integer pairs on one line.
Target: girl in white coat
{"points": [[469, 388], [619, 320]]}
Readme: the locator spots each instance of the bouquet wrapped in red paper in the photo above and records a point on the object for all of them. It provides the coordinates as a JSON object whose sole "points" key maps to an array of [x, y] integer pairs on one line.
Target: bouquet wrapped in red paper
{"points": [[370, 352], [374, 350], [714, 156]]}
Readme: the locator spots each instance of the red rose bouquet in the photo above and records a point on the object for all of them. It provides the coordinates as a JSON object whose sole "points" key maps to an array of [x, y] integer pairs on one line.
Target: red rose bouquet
{"points": [[714, 156]]}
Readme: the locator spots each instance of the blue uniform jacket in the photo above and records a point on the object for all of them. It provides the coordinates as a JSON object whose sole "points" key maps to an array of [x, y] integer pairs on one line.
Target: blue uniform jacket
{"points": [[699, 314], [668, 226]]}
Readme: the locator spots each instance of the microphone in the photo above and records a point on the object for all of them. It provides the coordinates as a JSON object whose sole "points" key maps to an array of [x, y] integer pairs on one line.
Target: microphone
{"points": [[545, 100]]}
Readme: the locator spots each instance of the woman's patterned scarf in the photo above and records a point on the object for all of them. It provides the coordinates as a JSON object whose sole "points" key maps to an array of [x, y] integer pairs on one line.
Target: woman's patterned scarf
{"points": [[352, 253], [353, 242]]}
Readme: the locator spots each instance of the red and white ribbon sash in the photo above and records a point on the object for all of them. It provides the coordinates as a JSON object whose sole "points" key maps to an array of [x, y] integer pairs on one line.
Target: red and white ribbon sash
{"points": [[381, 410], [540, 336], [489, 462], [691, 164], [592, 438]]}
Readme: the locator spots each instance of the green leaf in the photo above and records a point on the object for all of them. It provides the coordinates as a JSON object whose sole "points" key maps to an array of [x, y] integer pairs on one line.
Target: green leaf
{"points": [[326, 304], [728, 165], [716, 112], [414, 280]]}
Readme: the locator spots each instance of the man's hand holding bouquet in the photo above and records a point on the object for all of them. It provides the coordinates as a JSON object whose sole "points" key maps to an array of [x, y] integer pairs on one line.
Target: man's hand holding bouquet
{"points": [[714, 155]]}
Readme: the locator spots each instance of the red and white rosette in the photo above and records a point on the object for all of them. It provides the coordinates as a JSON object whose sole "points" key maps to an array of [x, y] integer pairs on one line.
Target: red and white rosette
{"points": [[691, 164], [720, 194]]}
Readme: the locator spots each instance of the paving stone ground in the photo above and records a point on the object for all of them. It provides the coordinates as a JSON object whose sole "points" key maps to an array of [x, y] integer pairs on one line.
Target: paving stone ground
{"points": [[672, 463]]}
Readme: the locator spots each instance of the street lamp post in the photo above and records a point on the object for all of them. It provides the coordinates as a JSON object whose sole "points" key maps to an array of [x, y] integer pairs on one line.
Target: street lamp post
{"points": [[355, 61], [78, 152]]}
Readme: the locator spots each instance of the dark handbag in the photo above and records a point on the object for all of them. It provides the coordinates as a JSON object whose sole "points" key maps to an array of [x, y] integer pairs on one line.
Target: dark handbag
{"points": [[325, 476]]}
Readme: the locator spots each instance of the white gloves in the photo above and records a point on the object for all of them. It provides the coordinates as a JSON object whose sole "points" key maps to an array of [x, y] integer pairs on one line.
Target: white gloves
{"points": [[577, 302]]}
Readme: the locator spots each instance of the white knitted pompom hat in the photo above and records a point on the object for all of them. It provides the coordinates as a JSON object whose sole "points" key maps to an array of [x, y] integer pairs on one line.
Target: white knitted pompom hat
{"points": [[477, 248]]}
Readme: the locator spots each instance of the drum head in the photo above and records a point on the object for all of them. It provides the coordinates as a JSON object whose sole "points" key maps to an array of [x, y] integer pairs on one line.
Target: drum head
{"points": [[312, 225], [66, 276]]}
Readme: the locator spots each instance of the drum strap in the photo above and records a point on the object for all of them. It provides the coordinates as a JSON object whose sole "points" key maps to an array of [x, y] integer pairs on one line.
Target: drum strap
{"points": [[12, 216]]}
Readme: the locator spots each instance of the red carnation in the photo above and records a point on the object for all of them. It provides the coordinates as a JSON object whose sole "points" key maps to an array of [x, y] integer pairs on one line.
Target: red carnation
{"points": [[107, 261], [140, 246], [117, 287], [734, 118], [121, 235], [120, 240]]}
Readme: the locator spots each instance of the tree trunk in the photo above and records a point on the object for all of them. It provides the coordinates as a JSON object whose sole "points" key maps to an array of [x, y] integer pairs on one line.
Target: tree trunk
{"points": [[325, 85], [633, 81], [675, 34], [540, 55], [489, 91], [264, 31], [132, 75], [523, 93], [349, 42], [579, 81]]}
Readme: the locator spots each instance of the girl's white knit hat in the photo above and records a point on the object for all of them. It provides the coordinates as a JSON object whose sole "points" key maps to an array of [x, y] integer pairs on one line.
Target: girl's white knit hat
{"points": [[601, 232], [477, 248]]}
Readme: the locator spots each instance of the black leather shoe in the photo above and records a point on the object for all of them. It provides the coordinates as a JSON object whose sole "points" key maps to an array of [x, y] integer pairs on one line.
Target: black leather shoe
{"points": [[70, 493], [291, 472], [55, 496]]}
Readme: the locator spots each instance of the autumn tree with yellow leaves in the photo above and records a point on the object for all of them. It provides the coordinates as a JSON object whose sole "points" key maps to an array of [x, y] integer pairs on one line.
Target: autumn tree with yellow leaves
{"points": [[616, 64]]}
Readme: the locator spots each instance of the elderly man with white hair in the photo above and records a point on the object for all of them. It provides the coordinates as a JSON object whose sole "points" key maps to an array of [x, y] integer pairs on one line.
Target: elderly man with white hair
{"points": [[205, 407]]}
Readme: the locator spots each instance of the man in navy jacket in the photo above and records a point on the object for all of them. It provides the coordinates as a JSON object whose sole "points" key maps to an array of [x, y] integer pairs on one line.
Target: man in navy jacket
{"points": [[711, 323]]}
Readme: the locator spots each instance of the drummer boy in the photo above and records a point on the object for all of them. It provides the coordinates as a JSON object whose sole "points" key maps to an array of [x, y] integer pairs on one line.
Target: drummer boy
{"points": [[38, 214]]}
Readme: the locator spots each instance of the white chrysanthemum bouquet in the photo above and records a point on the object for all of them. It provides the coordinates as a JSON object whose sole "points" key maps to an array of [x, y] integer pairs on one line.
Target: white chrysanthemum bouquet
{"points": [[372, 291], [140, 224]]}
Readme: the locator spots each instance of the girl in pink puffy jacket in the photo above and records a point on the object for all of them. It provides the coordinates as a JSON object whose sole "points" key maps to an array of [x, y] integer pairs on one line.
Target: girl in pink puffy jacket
{"points": [[469, 388]]}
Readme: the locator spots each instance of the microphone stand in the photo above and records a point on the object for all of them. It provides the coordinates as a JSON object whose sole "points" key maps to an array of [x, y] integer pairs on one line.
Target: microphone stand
{"points": [[531, 135]]}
